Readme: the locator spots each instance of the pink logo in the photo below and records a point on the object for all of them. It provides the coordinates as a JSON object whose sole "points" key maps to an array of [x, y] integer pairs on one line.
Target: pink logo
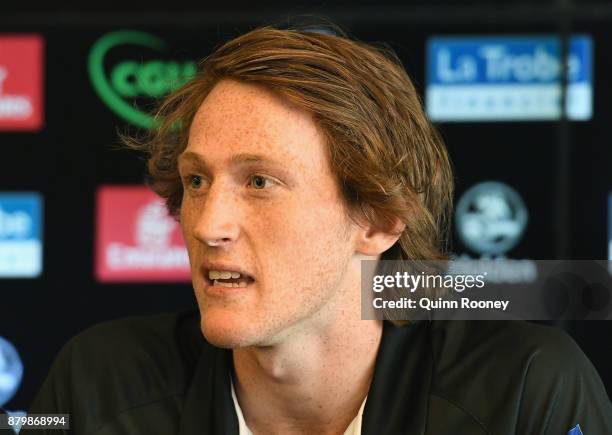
{"points": [[136, 239], [21, 82]]}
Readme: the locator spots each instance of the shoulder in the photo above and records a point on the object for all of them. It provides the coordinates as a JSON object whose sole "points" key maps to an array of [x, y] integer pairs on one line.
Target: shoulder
{"points": [[488, 343], [514, 348], [515, 372], [145, 349], [123, 364], [513, 345], [516, 340], [137, 334]]}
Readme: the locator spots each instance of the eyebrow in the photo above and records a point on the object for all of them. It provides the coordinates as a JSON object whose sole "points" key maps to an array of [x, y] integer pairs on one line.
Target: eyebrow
{"points": [[235, 160], [243, 159]]}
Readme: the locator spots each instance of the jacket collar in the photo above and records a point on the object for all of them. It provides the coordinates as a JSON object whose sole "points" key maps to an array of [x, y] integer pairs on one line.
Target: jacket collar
{"points": [[397, 399], [208, 407], [399, 394]]}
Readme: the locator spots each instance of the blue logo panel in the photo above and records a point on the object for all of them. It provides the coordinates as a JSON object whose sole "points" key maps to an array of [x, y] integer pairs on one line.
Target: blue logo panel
{"points": [[511, 78], [20, 235]]}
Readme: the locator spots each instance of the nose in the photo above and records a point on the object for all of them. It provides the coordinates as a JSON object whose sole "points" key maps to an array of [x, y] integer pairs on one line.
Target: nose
{"points": [[217, 222]]}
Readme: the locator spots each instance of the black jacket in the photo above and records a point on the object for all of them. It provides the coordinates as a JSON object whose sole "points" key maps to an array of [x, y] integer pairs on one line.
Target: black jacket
{"points": [[157, 375]]}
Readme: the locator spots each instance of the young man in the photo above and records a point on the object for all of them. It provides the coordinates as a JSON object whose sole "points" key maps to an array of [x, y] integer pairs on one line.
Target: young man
{"points": [[288, 159]]}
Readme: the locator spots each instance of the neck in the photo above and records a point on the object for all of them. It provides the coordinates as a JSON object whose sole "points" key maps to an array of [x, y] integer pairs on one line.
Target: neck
{"points": [[314, 382]]}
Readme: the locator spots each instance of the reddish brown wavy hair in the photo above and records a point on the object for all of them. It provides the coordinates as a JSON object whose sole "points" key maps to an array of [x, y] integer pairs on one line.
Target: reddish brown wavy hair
{"points": [[389, 160]]}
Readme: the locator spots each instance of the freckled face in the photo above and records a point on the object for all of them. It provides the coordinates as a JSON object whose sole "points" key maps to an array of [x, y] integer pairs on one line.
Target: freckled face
{"points": [[258, 188]]}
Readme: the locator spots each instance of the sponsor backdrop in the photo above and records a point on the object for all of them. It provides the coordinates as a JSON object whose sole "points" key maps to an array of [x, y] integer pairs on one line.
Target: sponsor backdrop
{"points": [[21, 79], [506, 78], [83, 241]]}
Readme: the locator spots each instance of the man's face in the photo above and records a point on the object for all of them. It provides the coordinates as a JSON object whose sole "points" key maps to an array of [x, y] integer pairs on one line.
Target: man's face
{"points": [[260, 200]]}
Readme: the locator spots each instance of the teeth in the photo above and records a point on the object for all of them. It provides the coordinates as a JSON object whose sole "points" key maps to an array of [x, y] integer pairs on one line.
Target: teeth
{"points": [[222, 274], [230, 284]]}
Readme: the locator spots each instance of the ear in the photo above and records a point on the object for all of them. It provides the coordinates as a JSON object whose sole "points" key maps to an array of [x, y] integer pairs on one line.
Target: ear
{"points": [[373, 240]]}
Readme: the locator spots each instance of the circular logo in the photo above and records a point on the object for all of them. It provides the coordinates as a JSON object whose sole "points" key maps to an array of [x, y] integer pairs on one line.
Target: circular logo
{"points": [[11, 371], [490, 218]]}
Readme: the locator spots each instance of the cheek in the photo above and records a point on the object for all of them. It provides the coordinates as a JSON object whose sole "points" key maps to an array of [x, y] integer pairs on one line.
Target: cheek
{"points": [[184, 218], [304, 247], [187, 218], [301, 226]]}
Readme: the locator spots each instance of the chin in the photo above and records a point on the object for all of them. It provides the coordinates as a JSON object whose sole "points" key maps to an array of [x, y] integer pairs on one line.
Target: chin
{"points": [[227, 330]]}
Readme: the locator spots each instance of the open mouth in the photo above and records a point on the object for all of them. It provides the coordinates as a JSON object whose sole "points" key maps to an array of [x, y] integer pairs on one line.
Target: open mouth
{"points": [[226, 278]]}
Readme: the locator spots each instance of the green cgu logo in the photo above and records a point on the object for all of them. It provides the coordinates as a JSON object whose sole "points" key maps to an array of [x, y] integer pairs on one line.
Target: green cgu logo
{"points": [[128, 82]]}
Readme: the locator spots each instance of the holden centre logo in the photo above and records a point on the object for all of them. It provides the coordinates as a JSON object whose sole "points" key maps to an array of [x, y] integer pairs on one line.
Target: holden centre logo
{"points": [[490, 220], [124, 83]]}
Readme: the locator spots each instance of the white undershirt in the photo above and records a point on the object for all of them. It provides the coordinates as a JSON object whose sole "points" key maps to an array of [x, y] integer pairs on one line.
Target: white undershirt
{"points": [[353, 429]]}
